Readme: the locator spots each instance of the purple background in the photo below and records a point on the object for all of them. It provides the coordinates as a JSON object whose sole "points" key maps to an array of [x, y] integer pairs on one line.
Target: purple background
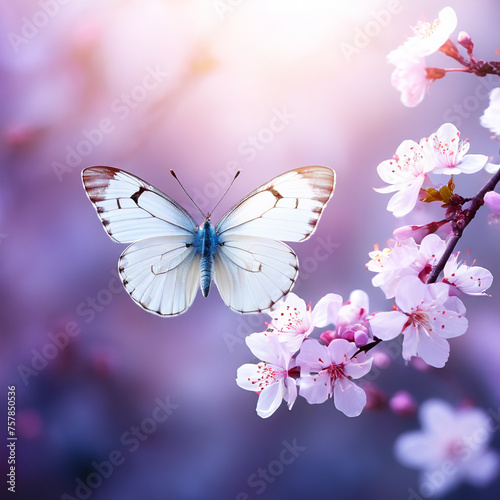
{"points": [[219, 82]]}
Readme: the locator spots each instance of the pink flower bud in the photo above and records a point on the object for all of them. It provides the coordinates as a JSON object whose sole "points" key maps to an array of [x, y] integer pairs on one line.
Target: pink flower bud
{"points": [[361, 338], [328, 336], [465, 41], [403, 404]]}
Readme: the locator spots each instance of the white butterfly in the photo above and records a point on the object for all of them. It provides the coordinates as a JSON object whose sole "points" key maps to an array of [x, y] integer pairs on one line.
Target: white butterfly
{"points": [[170, 255]]}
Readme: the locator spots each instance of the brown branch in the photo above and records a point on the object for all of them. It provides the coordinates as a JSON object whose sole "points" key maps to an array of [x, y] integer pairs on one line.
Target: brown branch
{"points": [[476, 202]]}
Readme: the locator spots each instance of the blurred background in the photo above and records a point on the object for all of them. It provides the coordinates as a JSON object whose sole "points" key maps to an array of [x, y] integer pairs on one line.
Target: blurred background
{"points": [[208, 87]]}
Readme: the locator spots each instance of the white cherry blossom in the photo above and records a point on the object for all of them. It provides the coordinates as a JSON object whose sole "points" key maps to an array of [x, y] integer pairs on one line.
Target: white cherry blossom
{"points": [[405, 174], [293, 321], [491, 116], [472, 280], [448, 154], [270, 378]]}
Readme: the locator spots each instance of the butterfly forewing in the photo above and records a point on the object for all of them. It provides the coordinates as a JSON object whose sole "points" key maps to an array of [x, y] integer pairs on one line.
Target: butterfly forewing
{"points": [[131, 209], [286, 208]]}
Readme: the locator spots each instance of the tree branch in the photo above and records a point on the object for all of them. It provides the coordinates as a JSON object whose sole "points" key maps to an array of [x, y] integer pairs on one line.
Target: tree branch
{"points": [[476, 202]]}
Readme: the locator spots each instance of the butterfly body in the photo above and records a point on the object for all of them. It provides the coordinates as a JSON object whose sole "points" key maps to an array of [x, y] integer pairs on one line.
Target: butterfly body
{"points": [[170, 256], [205, 241]]}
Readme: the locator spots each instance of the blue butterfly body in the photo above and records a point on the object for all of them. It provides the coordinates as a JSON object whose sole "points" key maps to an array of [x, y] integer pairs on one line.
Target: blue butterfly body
{"points": [[205, 241], [170, 256]]}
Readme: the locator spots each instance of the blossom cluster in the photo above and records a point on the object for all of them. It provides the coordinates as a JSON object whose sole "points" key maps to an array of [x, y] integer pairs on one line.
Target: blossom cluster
{"points": [[294, 363], [427, 311]]}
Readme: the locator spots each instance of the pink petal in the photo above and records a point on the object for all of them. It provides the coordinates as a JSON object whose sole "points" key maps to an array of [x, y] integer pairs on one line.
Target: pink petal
{"points": [[349, 398], [315, 388], [326, 310], [387, 325], [313, 356], [270, 399], [492, 199]]}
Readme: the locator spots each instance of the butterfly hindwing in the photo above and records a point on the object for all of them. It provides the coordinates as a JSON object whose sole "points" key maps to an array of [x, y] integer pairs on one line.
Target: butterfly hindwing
{"points": [[254, 273], [161, 274]]}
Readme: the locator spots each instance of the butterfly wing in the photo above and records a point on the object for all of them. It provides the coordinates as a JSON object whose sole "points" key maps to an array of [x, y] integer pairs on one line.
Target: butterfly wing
{"points": [[130, 209], [160, 270], [287, 208], [161, 274], [253, 270], [253, 273]]}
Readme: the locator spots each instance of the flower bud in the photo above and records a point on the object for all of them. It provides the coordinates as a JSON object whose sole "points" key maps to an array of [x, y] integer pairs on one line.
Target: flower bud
{"points": [[465, 41], [403, 404]]}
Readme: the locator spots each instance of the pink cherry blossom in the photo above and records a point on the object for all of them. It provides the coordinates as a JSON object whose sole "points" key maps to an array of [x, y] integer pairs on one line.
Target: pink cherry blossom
{"points": [[472, 280], [406, 258], [492, 199], [410, 77], [491, 116], [426, 317], [448, 152], [293, 321], [405, 174], [270, 378], [451, 447], [326, 371]]}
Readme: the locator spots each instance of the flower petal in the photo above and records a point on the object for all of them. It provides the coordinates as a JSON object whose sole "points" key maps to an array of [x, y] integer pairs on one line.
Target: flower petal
{"points": [[349, 398], [270, 399], [387, 325], [314, 388]]}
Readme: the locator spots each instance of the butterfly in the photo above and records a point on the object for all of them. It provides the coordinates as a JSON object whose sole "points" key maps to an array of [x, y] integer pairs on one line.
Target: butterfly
{"points": [[171, 255]]}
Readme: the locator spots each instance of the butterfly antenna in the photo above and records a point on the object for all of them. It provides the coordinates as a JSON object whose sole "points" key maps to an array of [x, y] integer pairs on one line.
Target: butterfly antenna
{"points": [[180, 184], [234, 178]]}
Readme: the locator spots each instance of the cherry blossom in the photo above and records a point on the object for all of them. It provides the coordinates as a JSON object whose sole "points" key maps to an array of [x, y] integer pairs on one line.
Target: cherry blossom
{"points": [[405, 174], [426, 317], [492, 199], [351, 321], [406, 258], [451, 447], [429, 38], [410, 77], [448, 152], [293, 321], [472, 280], [326, 372], [270, 378], [491, 116]]}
